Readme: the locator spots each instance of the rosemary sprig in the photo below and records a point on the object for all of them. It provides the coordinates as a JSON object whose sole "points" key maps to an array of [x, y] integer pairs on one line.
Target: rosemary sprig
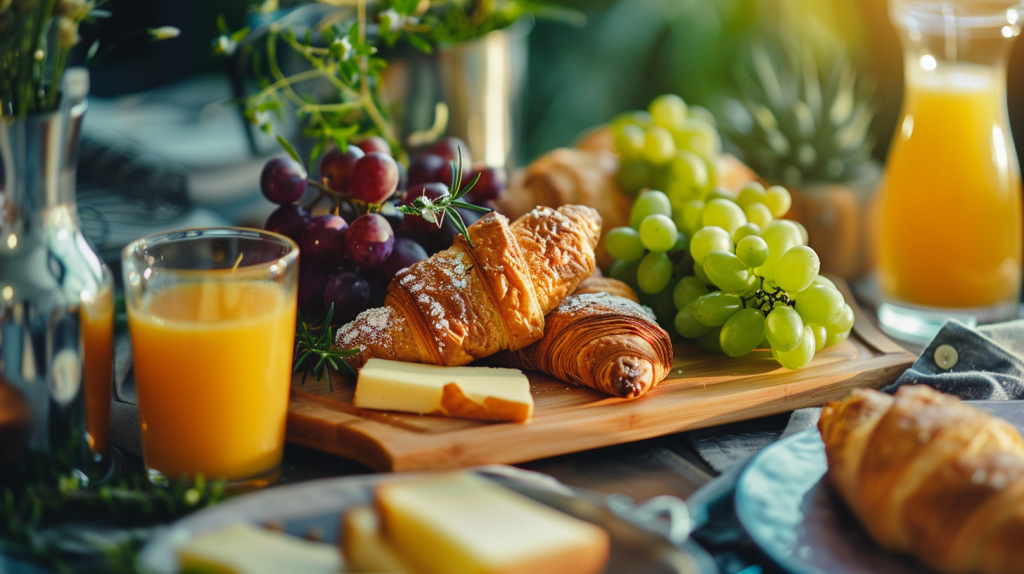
{"points": [[313, 352], [435, 210]]}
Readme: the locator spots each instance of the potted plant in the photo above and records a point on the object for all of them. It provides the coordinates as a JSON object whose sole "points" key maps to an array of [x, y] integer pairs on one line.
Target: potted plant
{"points": [[802, 119]]}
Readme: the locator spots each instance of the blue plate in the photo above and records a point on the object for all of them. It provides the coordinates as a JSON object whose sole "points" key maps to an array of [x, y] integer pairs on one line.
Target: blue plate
{"points": [[792, 514]]}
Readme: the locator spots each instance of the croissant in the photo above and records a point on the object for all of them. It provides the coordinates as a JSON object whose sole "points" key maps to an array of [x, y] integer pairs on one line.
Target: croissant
{"points": [[600, 340], [571, 176], [467, 303], [931, 476]]}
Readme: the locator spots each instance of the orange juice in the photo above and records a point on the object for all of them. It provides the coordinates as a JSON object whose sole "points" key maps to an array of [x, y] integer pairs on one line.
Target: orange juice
{"points": [[98, 365], [213, 367], [951, 204]]}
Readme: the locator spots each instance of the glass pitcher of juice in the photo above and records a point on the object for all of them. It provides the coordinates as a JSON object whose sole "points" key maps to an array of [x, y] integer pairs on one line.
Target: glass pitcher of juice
{"points": [[951, 238]]}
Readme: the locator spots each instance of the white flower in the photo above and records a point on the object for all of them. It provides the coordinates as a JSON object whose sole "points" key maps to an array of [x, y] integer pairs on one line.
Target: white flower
{"points": [[164, 33]]}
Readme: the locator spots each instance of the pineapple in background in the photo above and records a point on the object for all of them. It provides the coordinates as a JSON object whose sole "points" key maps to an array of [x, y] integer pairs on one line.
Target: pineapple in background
{"points": [[803, 121]]}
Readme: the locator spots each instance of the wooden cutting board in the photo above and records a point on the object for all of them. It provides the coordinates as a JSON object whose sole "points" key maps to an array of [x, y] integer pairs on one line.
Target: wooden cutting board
{"points": [[700, 391]]}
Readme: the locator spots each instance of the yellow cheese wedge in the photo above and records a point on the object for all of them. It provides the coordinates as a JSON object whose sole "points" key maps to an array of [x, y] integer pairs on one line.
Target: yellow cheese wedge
{"points": [[466, 392], [242, 548], [462, 524], [365, 549]]}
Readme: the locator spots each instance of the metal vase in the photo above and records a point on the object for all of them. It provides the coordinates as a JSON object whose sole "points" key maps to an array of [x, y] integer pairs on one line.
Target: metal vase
{"points": [[51, 282]]}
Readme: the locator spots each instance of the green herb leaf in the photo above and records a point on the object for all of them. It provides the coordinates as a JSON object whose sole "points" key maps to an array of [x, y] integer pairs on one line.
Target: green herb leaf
{"points": [[288, 148]]}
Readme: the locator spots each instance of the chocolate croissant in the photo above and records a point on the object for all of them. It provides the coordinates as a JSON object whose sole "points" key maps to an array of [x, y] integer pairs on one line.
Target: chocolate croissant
{"points": [[931, 476], [468, 303], [600, 340]]}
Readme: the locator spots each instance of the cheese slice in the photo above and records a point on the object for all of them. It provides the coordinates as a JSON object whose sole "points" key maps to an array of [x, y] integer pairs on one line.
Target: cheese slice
{"points": [[466, 392], [242, 548], [365, 549], [462, 523]]}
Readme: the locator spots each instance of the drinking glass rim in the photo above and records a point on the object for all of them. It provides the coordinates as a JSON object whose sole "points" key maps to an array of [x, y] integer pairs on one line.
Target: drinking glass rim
{"points": [[220, 231]]}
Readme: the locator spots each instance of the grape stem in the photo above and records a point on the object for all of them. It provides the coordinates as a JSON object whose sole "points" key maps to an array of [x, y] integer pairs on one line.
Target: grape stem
{"points": [[762, 298]]}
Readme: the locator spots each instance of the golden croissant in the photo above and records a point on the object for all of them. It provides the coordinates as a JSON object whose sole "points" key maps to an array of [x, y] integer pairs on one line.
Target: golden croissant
{"points": [[468, 303], [930, 476], [602, 338]]}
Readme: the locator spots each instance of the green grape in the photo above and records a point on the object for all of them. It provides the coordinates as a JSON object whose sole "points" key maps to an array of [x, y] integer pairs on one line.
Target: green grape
{"points": [[668, 111], [649, 203], [751, 193], [699, 137], [723, 213], [783, 326], [781, 236], [654, 273], [845, 322], [836, 337], [708, 239], [692, 213], [659, 147], [728, 272], [710, 342], [746, 230], [662, 305], [703, 114], [758, 213], [687, 176], [820, 304], [634, 175], [778, 200], [797, 269], [822, 280], [698, 272], [820, 335], [687, 290], [629, 141], [721, 193], [687, 324], [636, 117], [658, 233], [742, 333], [716, 169], [751, 250], [804, 238], [715, 308], [801, 355], [625, 271], [623, 243]]}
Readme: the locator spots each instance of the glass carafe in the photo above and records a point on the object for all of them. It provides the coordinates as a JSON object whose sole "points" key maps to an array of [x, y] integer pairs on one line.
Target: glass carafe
{"points": [[951, 239]]}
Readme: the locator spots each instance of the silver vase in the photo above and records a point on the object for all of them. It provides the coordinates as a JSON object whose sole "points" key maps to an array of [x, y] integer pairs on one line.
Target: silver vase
{"points": [[56, 297]]}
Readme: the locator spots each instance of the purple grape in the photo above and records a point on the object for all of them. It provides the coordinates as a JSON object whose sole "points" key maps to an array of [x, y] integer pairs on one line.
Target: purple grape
{"points": [[491, 184], [312, 281], [347, 211], [427, 168], [374, 144], [448, 148], [324, 241], [350, 295], [283, 180], [369, 240], [415, 224], [374, 178], [391, 213], [378, 281], [289, 220], [336, 166], [403, 177], [405, 253]]}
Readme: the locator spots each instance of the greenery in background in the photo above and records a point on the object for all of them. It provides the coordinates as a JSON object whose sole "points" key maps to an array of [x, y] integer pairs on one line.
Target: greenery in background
{"points": [[36, 38], [633, 50], [342, 50], [49, 517], [798, 115]]}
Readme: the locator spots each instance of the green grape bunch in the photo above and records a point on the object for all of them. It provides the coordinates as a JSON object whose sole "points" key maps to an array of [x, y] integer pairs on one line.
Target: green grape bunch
{"points": [[739, 278]]}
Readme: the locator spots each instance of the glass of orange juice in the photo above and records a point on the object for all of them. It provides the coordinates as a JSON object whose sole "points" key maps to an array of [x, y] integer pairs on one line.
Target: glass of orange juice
{"points": [[951, 237], [211, 314]]}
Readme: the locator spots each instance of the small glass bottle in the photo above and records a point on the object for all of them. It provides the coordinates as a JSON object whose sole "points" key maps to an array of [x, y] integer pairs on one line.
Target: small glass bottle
{"points": [[951, 240]]}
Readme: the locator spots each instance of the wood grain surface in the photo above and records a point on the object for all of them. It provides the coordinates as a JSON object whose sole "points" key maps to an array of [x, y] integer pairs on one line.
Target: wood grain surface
{"points": [[700, 391]]}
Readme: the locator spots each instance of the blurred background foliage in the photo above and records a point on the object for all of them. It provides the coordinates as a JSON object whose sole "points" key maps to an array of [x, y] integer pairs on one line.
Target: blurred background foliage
{"points": [[628, 52]]}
